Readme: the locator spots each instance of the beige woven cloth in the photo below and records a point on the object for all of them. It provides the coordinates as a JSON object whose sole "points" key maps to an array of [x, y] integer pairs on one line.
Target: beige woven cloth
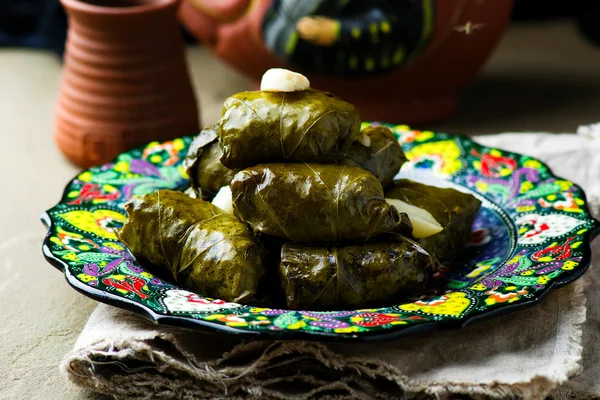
{"points": [[548, 350]]}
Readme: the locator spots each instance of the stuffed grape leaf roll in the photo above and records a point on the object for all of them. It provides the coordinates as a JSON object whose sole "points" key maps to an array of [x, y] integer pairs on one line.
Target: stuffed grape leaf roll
{"points": [[454, 210], [196, 243], [260, 127], [203, 164], [357, 275], [383, 156], [314, 203]]}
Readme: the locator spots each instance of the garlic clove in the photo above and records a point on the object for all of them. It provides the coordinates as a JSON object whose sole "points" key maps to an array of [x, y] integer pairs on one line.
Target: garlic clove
{"points": [[283, 80], [424, 224], [224, 200]]}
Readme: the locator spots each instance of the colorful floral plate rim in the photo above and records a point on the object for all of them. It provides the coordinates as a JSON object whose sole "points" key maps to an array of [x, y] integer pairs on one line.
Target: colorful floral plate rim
{"points": [[532, 235]]}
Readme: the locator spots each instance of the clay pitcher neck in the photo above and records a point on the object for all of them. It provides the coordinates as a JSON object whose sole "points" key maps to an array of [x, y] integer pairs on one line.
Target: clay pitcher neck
{"points": [[122, 15]]}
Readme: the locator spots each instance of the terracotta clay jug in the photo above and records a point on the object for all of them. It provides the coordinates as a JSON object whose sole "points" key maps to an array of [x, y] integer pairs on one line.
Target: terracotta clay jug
{"points": [[125, 80], [455, 39]]}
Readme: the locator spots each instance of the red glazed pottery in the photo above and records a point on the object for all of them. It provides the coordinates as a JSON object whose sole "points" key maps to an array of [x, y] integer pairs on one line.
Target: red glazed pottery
{"points": [[423, 89], [125, 80]]}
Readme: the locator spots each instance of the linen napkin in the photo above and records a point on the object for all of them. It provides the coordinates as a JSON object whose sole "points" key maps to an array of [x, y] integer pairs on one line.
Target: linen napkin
{"points": [[546, 350]]}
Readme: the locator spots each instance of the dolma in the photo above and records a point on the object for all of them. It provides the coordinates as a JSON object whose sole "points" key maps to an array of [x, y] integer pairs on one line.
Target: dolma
{"points": [[454, 210], [314, 203], [203, 164], [260, 127], [383, 157], [359, 275], [194, 242]]}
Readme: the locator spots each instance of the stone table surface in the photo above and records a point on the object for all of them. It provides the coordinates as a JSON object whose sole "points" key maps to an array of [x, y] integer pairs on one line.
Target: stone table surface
{"points": [[542, 78]]}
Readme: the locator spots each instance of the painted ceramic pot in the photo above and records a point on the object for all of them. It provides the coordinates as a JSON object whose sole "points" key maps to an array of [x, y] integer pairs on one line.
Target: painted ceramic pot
{"points": [[125, 79], [396, 60]]}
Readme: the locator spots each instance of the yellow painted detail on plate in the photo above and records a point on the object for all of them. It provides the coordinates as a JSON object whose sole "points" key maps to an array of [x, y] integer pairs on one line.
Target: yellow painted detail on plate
{"points": [[94, 222], [452, 304], [296, 325], [214, 317], [86, 278], [178, 144], [479, 287], [113, 245], [121, 166], [525, 208], [347, 330], [71, 257], [235, 323], [424, 135], [525, 187], [445, 153], [85, 176], [563, 185], [532, 164], [505, 171], [258, 309], [479, 270], [398, 56], [569, 265]]}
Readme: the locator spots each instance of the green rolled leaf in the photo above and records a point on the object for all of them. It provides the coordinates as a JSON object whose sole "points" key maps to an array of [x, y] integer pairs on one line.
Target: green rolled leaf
{"points": [[203, 164], [455, 211], [383, 157], [195, 243], [259, 127], [314, 203], [361, 275]]}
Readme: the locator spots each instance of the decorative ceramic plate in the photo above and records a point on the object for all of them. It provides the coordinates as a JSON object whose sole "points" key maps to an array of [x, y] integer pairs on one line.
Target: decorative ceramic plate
{"points": [[532, 235]]}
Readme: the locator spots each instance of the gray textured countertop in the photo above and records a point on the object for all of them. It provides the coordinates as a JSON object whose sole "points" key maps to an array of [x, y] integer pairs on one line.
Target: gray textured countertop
{"points": [[542, 78]]}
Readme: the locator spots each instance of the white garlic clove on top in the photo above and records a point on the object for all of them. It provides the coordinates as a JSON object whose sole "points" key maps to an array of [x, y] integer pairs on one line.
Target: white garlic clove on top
{"points": [[283, 80]]}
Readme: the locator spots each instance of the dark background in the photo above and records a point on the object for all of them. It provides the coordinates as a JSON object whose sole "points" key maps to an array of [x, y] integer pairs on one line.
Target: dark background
{"points": [[43, 24]]}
